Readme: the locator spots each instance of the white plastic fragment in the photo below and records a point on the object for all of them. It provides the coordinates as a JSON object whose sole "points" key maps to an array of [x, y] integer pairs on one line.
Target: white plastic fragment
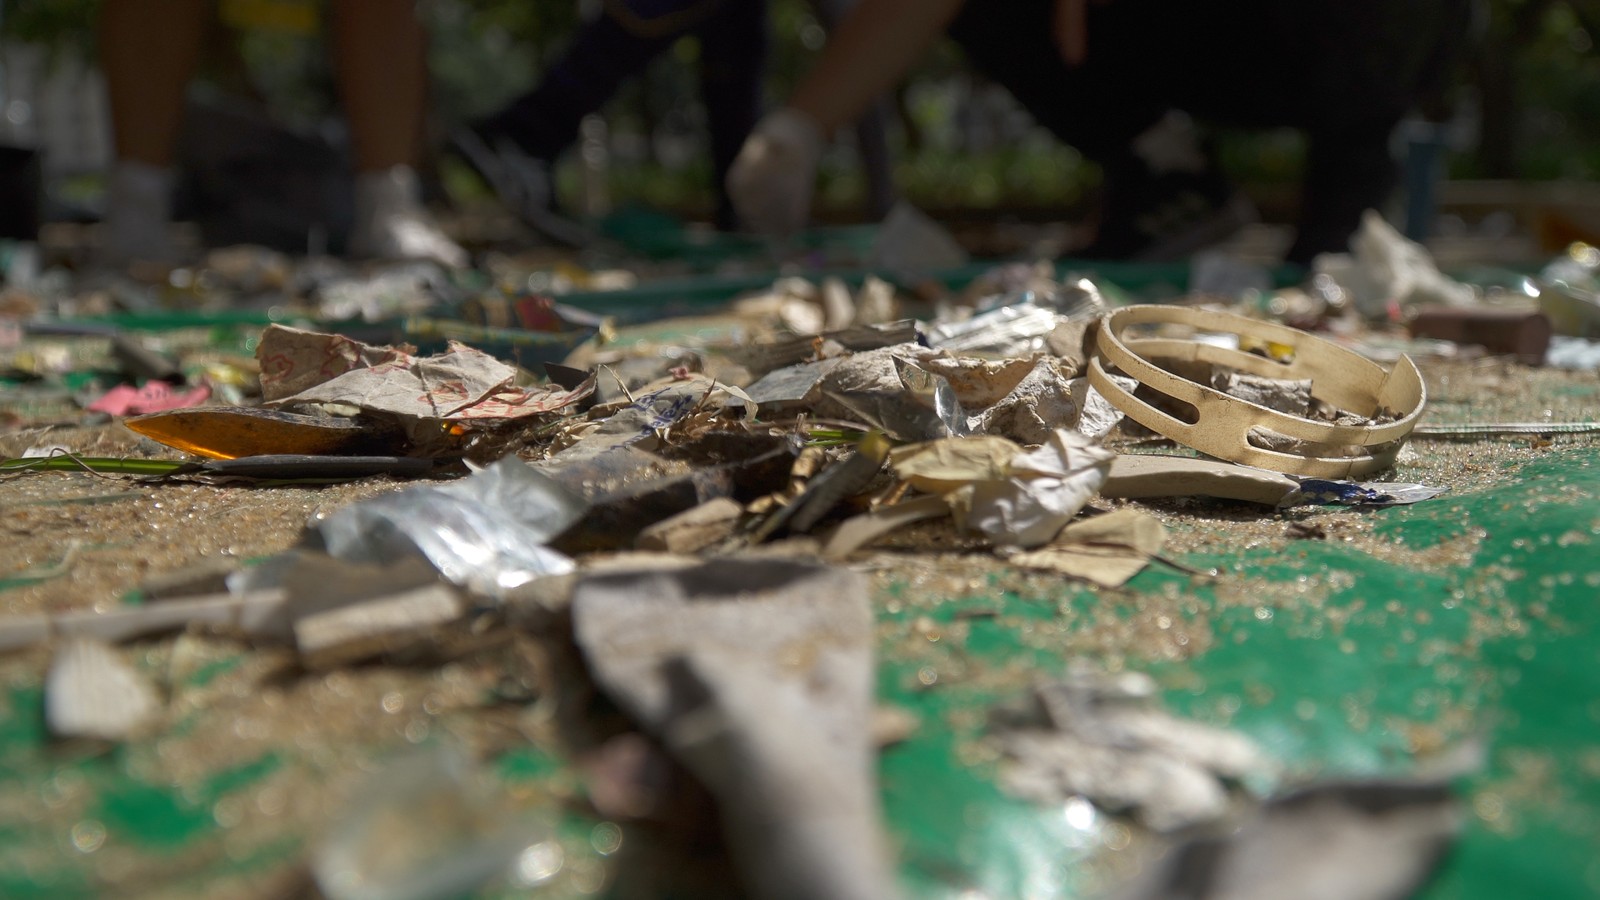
{"points": [[250, 613], [1385, 268], [1096, 415], [910, 244], [1104, 738], [421, 828], [346, 631], [90, 692]]}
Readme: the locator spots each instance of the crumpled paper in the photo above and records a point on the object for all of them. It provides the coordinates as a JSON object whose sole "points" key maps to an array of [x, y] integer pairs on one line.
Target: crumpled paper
{"points": [[1043, 489], [1039, 404], [461, 385]]}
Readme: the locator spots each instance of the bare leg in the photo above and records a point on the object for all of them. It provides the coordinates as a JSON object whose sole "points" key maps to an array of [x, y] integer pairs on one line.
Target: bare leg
{"points": [[871, 50], [380, 60], [379, 57], [149, 50]]}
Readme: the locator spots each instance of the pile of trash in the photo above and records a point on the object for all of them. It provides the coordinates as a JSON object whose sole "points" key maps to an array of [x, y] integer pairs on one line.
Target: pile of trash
{"points": [[701, 514]]}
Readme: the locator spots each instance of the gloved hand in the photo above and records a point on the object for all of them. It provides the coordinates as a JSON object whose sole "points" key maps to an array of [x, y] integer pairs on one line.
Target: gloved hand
{"points": [[771, 181]]}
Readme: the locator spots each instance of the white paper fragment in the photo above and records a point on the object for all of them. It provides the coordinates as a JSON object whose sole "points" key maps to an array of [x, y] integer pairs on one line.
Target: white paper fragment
{"points": [[875, 302], [460, 385], [838, 307], [911, 244], [90, 692], [791, 385]]}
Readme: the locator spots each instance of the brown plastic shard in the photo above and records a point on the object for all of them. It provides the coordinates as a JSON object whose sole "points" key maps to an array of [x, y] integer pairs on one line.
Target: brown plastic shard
{"points": [[1221, 425], [1133, 477]]}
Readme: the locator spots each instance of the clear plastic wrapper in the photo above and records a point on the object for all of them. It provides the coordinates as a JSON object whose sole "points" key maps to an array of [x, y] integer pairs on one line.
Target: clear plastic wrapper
{"points": [[485, 532]]}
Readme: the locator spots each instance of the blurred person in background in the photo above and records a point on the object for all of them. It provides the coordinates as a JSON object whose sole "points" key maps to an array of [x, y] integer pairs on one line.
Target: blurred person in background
{"points": [[149, 51], [515, 149], [1124, 81]]}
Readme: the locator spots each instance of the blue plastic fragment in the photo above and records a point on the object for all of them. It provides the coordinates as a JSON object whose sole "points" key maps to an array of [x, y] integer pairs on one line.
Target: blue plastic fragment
{"points": [[1365, 495]]}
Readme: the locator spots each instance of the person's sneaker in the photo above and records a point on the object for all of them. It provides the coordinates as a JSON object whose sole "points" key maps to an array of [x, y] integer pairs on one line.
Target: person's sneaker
{"points": [[391, 223], [1150, 217], [1167, 199], [521, 181], [136, 231]]}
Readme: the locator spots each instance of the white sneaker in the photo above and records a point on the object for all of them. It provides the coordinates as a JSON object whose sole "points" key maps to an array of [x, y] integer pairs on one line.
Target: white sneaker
{"points": [[137, 228], [391, 223]]}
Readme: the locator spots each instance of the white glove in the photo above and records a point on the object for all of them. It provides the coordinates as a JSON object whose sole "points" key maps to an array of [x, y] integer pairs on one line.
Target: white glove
{"points": [[771, 182]]}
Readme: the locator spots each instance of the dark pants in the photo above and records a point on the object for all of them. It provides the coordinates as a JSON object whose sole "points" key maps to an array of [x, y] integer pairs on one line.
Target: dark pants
{"points": [[1343, 71], [620, 44]]}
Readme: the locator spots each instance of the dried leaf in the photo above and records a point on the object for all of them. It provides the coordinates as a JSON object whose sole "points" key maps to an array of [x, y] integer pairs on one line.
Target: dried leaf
{"points": [[941, 466], [856, 533], [1107, 550], [694, 529]]}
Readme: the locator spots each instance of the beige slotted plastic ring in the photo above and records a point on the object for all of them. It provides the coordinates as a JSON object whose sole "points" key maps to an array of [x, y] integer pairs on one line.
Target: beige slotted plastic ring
{"points": [[1338, 376]]}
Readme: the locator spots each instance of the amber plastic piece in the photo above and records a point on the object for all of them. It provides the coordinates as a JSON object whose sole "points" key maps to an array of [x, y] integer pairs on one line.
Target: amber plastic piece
{"points": [[232, 432]]}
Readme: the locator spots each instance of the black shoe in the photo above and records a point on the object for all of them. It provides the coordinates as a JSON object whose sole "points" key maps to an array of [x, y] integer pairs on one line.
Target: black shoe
{"points": [[521, 181], [1165, 216]]}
